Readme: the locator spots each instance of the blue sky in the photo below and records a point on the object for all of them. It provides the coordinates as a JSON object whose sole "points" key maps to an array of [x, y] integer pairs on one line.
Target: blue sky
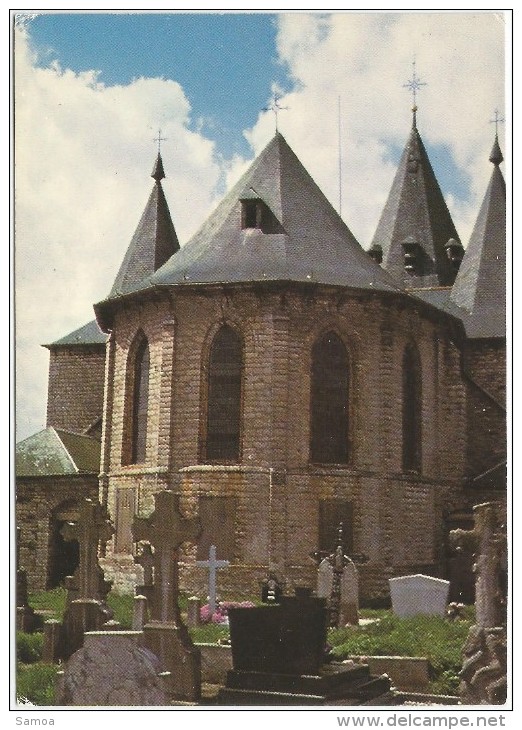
{"points": [[92, 90], [227, 63]]}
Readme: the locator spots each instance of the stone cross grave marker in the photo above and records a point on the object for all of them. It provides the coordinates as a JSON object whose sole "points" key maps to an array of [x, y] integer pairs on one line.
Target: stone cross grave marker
{"points": [[338, 581], [213, 565], [166, 529], [483, 678], [92, 526], [146, 560], [487, 542]]}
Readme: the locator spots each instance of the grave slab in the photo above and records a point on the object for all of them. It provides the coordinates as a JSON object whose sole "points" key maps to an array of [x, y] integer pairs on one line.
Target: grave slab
{"points": [[412, 595]]}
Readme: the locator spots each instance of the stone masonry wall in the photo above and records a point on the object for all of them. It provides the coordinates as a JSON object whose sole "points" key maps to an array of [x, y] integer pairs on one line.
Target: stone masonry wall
{"points": [[395, 514], [36, 501], [76, 381]]}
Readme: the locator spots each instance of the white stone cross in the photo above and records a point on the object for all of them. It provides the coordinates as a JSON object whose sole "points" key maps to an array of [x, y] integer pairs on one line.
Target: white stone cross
{"points": [[213, 565]]}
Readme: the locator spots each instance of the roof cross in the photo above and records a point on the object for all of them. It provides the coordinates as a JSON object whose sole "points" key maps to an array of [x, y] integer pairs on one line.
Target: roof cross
{"points": [[414, 84], [159, 139], [498, 120], [275, 107]]}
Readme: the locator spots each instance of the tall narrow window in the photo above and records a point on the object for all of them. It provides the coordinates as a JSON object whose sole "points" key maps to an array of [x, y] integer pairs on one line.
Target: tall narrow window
{"points": [[329, 401], [411, 410], [224, 397], [140, 403]]}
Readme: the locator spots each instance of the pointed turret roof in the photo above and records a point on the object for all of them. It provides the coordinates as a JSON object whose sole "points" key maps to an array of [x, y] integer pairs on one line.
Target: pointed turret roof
{"points": [[274, 225], [480, 287], [153, 243], [416, 219]]}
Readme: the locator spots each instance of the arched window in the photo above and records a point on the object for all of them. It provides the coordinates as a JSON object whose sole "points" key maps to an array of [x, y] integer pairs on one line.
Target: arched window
{"points": [[329, 417], [222, 437], [140, 403], [411, 410]]}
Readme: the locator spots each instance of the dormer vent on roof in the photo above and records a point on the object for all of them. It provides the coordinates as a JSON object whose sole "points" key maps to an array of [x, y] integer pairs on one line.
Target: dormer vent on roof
{"points": [[255, 214]]}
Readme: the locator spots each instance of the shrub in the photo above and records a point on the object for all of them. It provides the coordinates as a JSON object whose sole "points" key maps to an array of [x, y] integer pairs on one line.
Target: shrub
{"points": [[29, 647]]}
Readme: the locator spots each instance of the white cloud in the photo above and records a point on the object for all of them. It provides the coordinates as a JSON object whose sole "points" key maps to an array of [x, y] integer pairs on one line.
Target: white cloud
{"points": [[84, 153], [365, 58]]}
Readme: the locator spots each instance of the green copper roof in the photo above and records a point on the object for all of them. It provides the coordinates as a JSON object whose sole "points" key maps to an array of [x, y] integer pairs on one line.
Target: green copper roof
{"points": [[53, 452]]}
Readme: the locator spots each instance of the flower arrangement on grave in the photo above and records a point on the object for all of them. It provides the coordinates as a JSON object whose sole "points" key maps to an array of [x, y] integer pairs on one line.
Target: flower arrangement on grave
{"points": [[220, 615]]}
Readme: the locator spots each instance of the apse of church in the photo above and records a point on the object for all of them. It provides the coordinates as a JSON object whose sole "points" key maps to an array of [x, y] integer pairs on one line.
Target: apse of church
{"points": [[281, 379]]}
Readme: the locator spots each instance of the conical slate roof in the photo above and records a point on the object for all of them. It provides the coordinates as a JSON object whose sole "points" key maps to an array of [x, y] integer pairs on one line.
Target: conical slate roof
{"points": [[153, 243], [416, 213], [301, 237], [480, 286]]}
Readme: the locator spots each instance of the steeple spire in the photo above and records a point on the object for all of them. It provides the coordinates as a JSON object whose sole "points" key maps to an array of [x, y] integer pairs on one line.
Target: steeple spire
{"points": [[154, 240], [416, 240], [479, 288]]}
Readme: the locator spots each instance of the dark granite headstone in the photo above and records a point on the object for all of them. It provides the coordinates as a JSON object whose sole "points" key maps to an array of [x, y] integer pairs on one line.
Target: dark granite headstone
{"points": [[288, 638]]}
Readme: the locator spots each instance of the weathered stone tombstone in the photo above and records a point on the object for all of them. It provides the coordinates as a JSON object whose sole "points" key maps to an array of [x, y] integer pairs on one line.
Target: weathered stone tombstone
{"points": [[193, 611], [213, 565], [112, 669], [146, 560], [484, 669], [26, 619], [419, 594], [271, 589], [86, 609], [165, 634]]}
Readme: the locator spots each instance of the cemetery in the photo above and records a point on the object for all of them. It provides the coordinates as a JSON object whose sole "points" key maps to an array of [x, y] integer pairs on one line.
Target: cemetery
{"points": [[86, 645]]}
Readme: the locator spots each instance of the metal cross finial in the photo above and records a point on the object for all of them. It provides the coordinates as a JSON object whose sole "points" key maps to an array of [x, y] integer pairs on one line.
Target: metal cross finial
{"points": [[159, 139], [414, 85], [275, 107], [498, 120]]}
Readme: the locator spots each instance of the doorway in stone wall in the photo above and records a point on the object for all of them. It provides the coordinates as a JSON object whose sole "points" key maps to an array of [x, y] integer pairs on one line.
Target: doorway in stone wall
{"points": [[64, 556]]}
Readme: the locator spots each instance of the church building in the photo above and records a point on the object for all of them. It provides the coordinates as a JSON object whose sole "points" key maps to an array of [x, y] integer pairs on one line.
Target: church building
{"points": [[283, 380]]}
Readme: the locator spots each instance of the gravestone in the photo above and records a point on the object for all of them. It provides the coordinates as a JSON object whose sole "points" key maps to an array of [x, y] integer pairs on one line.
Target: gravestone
{"points": [[419, 594], [484, 669], [271, 590], [347, 575], [86, 609], [26, 619], [279, 658], [193, 611], [165, 634], [213, 565], [146, 560], [112, 669]]}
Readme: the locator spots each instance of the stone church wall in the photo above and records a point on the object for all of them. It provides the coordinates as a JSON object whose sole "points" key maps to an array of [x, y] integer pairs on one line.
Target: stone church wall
{"points": [[76, 382], [37, 500], [275, 492]]}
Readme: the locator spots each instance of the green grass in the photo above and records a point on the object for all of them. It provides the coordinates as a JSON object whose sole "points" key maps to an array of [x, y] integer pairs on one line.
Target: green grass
{"points": [[35, 683], [52, 601], [433, 637]]}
